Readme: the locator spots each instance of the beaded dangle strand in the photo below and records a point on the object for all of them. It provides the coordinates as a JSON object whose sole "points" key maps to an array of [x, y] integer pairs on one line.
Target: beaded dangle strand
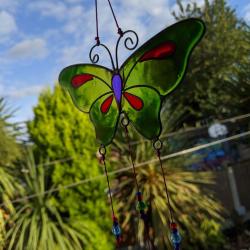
{"points": [[175, 235], [141, 205], [116, 230]]}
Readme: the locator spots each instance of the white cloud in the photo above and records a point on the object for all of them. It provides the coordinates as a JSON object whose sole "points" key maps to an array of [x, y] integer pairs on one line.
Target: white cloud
{"points": [[9, 5], [72, 55], [71, 14], [20, 92], [76, 35], [7, 24], [20, 89], [247, 13], [151, 6], [75, 19], [73, 1], [49, 8], [75, 12], [145, 17], [30, 48], [1, 89]]}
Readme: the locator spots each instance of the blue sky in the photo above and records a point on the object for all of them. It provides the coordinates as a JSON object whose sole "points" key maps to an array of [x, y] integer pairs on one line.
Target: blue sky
{"points": [[40, 37]]}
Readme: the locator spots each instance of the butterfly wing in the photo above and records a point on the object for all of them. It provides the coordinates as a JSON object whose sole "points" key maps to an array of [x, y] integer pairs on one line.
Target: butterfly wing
{"points": [[155, 70], [142, 104], [85, 83], [162, 61], [90, 89], [104, 114]]}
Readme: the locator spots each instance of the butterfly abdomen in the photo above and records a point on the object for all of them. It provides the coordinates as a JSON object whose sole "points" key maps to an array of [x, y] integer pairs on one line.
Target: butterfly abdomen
{"points": [[117, 88]]}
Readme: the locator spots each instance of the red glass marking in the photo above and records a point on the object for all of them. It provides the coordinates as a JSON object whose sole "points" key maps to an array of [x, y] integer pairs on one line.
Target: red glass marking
{"points": [[159, 52], [134, 101], [79, 80], [106, 104]]}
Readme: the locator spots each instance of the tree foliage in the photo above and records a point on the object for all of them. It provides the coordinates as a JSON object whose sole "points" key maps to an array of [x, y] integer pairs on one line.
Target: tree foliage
{"points": [[37, 222], [191, 203], [9, 149], [217, 81], [216, 84], [9, 153], [60, 131]]}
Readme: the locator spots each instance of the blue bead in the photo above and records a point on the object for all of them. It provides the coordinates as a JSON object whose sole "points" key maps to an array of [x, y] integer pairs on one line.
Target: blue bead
{"points": [[177, 246], [116, 230], [175, 237]]}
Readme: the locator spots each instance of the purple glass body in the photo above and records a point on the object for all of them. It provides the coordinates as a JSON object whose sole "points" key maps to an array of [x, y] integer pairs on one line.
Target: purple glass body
{"points": [[117, 88]]}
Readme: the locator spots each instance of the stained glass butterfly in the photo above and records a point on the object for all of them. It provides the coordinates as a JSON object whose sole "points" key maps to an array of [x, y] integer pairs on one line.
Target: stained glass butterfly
{"points": [[138, 86]]}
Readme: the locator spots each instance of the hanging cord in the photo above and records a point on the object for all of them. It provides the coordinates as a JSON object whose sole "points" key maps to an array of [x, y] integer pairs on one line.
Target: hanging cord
{"points": [[158, 146], [125, 123], [102, 151], [119, 30], [116, 228], [175, 236], [96, 22], [141, 205]]}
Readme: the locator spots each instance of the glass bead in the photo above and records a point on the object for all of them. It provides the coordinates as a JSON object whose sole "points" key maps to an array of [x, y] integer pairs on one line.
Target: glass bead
{"points": [[116, 230], [125, 121], [157, 144], [141, 205], [102, 150], [175, 237]]}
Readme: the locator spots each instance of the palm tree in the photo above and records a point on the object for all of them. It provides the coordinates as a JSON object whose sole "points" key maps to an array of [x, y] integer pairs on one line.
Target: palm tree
{"points": [[194, 208], [9, 153], [37, 222]]}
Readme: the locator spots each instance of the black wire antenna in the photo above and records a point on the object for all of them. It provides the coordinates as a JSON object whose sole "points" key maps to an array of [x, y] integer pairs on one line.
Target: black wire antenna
{"points": [[131, 40]]}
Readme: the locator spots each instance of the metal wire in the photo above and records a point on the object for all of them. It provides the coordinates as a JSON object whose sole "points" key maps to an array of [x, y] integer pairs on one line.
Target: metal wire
{"points": [[103, 153], [96, 22], [231, 119], [157, 145], [182, 152], [113, 13], [130, 151]]}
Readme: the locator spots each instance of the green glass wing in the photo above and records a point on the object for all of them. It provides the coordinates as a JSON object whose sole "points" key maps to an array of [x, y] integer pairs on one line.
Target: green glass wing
{"points": [[162, 61], [105, 122], [146, 117], [85, 83]]}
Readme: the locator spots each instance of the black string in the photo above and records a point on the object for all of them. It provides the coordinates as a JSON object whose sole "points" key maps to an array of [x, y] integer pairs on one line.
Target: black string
{"points": [[146, 223], [116, 22], [106, 173], [165, 183], [147, 239], [96, 22], [131, 156]]}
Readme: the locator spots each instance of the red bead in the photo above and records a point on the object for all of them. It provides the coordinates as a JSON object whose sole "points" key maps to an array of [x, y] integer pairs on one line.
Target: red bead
{"points": [[114, 219], [139, 196], [173, 225]]}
